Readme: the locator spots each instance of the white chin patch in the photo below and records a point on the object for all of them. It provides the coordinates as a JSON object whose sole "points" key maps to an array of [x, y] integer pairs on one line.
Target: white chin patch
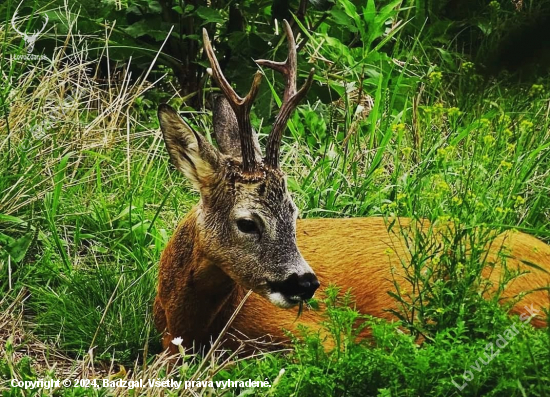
{"points": [[279, 300]]}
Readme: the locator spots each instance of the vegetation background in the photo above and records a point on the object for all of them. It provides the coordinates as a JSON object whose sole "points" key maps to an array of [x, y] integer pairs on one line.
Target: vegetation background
{"points": [[419, 108]]}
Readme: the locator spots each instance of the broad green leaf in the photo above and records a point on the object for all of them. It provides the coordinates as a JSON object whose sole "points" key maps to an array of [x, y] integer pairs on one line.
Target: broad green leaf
{"points": [[209, 15], [146, 27], [12, 219], [341, 18], [184, 11], [178, 9], [18, 248]]}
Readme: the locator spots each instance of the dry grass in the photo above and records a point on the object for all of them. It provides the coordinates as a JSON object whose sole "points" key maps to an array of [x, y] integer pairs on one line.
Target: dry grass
{"points": [[66, 103], [17, 344]]}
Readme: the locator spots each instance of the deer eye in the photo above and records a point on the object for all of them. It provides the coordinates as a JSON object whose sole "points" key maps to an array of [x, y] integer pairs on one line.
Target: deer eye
{"points": [[248, 226]]}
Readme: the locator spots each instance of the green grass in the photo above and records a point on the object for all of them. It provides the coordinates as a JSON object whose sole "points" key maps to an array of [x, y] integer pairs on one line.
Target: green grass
{"points": [[88, 204]]}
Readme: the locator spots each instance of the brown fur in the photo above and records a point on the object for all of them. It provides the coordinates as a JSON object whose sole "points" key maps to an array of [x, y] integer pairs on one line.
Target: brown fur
{"points": [[195, 298]]}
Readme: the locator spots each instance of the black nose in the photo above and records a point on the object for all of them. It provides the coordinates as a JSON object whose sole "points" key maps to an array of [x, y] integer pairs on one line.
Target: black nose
{"points": [[297, 287]]}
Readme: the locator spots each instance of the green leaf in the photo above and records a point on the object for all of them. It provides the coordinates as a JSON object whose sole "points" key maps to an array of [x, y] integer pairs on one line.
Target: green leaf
{"points": [[178, 9], [154, 6], [5, 240], [369, 14], [18, 248], [485, 27], [184, 11], [447, 58], [209, 15], [12, 219], [146, 27], [341, 18]]}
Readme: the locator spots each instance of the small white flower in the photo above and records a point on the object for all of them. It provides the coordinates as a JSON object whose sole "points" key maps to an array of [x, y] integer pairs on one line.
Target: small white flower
{"points": [[177, 341], [278, 378]]}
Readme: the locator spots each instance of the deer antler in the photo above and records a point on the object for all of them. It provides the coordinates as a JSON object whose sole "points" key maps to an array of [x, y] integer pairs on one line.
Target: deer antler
{"points": [[241, 106], [30, 39], [46, 19], [291, 97], [13, 21]]}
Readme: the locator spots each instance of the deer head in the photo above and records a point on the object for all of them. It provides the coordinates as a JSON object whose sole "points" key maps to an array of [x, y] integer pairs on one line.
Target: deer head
{"points": [[246, 218], [30, 39]]}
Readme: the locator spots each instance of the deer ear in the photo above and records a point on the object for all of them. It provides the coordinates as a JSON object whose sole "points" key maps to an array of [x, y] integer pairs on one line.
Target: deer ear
{"points": [[226, 130], [189, 151]]}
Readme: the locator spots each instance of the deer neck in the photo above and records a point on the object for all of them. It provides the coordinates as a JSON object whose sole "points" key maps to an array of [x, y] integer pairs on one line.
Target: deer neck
{"points": [[209, 296]]}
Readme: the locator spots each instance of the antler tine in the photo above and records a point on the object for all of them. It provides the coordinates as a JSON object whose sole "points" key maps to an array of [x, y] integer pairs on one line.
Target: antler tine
{"points": [[241, 106], [291, 97], [46, 19], [13, 21]]}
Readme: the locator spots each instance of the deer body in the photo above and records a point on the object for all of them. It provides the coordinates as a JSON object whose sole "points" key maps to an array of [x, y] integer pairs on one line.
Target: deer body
{"points": [[197, 300], [243, 235]]}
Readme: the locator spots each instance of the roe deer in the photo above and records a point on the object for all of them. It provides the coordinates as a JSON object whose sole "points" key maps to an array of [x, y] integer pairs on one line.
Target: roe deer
{"points": [[244, 235]]}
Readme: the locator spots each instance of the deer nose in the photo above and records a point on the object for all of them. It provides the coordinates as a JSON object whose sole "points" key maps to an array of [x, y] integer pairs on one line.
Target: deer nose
{"points": [[297, 287], [307, 284]]}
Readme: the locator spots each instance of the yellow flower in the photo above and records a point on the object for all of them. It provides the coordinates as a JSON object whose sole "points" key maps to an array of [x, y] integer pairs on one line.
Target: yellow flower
{"points": [[519, 201], [435, 77], [468, 66], [536, 90], [438, 108], [495, 5], [506, 164], [442, 152], [505, 119], [399, 127], [456, 200], [484, 123], [442, 185], [443, 218], [488, 140], [377, 173], [454, 112], [526, 125]]}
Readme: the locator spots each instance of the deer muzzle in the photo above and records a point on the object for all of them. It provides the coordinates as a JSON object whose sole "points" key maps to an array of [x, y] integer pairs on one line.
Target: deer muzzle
{"points": [[293, 290]]}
